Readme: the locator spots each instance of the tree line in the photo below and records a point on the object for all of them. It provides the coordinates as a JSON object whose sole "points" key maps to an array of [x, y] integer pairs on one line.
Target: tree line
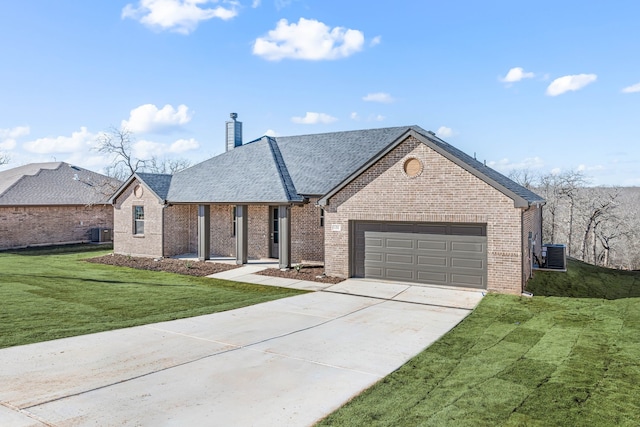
{"points": [[599, 225]]}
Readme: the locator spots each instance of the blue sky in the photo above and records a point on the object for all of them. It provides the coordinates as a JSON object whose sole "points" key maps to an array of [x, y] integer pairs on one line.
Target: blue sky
{"points": [[546, 85]]}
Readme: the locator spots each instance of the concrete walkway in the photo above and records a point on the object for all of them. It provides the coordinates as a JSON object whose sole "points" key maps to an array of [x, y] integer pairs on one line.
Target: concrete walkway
{"points": [[282, 363]]}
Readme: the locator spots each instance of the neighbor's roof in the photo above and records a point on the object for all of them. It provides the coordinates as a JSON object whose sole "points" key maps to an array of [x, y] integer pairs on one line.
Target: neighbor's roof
{"points": [[288, 169], [54, 183]]}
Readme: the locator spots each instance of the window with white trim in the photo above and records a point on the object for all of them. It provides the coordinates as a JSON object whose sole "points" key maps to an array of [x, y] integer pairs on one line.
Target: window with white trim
{"points": [[138, 220]]}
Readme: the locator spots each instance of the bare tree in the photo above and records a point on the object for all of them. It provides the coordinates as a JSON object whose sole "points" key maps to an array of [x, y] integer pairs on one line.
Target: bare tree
{"points": [[550, 189], [118, 143], [599, 210], [4, 159], [525, 177], [570, 183], [166, 166]]}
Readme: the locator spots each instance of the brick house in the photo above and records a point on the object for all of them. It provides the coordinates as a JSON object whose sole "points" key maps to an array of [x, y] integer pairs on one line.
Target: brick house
{"points": [[53, 203], [393, 203]]}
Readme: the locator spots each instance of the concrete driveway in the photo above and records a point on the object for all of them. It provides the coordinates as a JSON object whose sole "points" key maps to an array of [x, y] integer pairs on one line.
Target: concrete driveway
{"points": [[283, 363]]}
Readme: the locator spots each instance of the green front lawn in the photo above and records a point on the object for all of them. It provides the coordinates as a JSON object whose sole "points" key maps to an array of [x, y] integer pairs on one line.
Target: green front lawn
{"points": [[53, 294], [517, 361]]}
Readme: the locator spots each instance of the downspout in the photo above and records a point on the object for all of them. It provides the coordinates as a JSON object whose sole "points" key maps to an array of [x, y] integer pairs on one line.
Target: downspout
{"points": [[531, 239], [530, 254]]}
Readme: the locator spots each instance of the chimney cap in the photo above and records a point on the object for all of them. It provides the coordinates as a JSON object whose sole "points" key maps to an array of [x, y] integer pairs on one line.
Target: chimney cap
{"points": [[233, 115]]}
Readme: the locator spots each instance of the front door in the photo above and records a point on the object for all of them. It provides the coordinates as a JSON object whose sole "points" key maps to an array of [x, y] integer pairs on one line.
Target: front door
{"points": [[273, 230]]}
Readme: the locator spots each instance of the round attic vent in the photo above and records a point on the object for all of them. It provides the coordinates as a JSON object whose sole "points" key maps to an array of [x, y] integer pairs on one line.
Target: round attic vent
{"points": [[412, 167], [138, 191]]}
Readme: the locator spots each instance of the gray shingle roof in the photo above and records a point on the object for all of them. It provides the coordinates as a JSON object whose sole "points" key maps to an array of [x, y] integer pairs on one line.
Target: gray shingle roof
{"points": [[317, 163], [252, 173], [287, 169], [55, 183]]}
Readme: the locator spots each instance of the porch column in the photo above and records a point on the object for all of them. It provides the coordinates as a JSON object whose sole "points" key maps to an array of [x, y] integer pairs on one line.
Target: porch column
{"points": [[242, 234], [204, 232], [284, 235]]}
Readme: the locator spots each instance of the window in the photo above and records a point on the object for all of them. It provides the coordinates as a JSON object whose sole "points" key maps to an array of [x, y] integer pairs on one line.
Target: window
{"points": [[274, 226], [321, 217], [138, 220], [233, 220]]}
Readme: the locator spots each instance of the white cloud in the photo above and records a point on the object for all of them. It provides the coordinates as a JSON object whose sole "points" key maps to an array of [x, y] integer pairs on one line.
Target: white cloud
{"points": [[313, 118], [354, 116], [271, 132], [256, 3], [78, 141], [308, 39], [182, 145], [505, 165], [148, 118], [180, 16], [383, 97], [379, 117], [145, 149], [9, 136], [516, 74], [375, 41], [570, 83], [445, 132], [632, 89]]}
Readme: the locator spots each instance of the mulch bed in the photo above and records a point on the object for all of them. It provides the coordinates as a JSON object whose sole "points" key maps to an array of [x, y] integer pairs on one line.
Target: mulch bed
{"points": [[312, 273], [170, 265]]}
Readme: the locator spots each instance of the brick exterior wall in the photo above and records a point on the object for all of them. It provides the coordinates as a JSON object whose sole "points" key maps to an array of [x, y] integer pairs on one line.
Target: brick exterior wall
{"points": [[124, 241], [442, 192], [307, 235], [22, 226], [181, 229]]}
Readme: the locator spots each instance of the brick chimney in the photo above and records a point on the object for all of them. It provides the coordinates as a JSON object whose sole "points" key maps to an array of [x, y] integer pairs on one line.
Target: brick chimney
{"points": [[234, 132]]}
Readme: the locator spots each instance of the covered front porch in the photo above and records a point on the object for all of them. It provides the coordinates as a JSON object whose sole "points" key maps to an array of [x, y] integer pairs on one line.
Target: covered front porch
{"points": [[269, 232]]}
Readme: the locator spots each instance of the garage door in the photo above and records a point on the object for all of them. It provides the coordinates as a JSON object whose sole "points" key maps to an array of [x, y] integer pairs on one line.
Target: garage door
{"points": [[438, 254]]}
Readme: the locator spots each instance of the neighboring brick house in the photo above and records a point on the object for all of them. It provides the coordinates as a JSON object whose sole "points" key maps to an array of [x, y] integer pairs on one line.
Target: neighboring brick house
{"points": [[53, 203], [393, 203]]}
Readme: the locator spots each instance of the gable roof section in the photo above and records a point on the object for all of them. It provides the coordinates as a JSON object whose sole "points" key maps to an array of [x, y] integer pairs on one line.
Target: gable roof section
{"points": [[54, 183], [521, 196], [157, 183], [252, 173]]}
